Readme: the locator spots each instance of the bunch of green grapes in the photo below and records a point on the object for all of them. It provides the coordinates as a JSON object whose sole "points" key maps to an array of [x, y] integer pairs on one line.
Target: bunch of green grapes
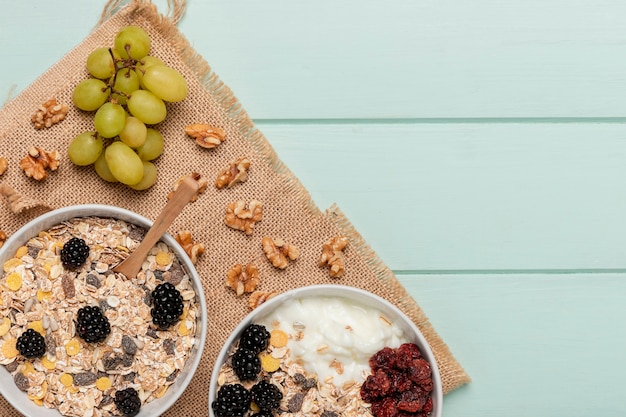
{"points": [[128, 92]]}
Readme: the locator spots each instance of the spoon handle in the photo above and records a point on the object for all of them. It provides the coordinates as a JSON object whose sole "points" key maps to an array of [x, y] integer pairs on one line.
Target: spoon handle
{"points": [[182, 195]]}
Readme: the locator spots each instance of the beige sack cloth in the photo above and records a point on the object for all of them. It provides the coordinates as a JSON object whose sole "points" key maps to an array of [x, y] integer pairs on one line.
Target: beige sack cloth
{"points": [[289, 212]]}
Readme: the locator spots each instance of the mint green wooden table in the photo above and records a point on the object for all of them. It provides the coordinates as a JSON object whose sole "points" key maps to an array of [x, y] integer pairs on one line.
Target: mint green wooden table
{"points": [[484, 154]]}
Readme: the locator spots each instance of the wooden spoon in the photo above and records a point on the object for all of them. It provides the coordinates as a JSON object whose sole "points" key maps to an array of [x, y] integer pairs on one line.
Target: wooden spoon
{"points": [[182, 195]]}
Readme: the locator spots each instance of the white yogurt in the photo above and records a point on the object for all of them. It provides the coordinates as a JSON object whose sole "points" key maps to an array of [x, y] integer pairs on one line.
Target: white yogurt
{"points": [[337, 335]]}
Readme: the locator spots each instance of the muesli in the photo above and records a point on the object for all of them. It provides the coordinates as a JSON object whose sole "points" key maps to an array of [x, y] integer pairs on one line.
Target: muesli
{"points": [[77, 377]]}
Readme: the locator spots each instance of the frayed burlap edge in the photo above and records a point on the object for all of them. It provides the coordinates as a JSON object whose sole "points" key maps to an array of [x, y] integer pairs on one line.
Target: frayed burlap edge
{"points": [[452, 373]]}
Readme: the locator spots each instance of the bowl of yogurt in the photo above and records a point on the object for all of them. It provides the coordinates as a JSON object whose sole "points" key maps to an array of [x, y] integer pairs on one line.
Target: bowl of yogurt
{"points": [[325, 350]]}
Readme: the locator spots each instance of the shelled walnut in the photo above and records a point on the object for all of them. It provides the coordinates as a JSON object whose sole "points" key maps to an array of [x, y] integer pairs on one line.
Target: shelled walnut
{"points": [[191, 248], [3, 238], [259, 297], [278, 251], [242, 280], [243, 218], [48, 114], [236, 172], [332, 256], [37, 161], [206, 136], [202, 184], [4, 164]]}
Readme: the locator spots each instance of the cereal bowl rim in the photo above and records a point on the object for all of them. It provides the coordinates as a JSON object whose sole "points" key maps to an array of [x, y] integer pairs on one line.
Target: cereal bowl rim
{"points": [[17, 398], [334, 290]]}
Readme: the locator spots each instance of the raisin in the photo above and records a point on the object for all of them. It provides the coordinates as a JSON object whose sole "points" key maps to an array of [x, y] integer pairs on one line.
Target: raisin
{"points": [[171, 377], [130, 377], [12, 367], [67, 282], [33, 252], [169, 346], [104, 306], [21, 381], [137, 233], [85, 378], [51, 344], [106, 400], [295, 403], [128, 345], [93, 280], [175, 275], [111, 361]]}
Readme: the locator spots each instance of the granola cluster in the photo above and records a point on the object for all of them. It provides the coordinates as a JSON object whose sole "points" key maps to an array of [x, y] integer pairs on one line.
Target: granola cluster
{"points": [[79, 378]]}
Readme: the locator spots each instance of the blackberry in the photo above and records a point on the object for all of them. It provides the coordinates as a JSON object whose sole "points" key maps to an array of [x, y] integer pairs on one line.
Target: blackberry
{"points": [[266, 395], [246, 364], [74, 253], [92, 326], [31, 344], [233, 400], [128, 402], [255, 337], [168, 305]]}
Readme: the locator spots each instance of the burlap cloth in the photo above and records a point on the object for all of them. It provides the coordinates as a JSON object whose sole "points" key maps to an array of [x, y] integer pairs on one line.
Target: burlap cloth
{"points": [[289, 211]]}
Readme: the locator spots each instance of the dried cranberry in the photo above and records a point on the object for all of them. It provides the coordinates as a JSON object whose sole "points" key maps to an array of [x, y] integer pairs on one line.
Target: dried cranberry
{"points": [[400, 384], [419, 372], [383, 359], [385, 408], [410, 401]]}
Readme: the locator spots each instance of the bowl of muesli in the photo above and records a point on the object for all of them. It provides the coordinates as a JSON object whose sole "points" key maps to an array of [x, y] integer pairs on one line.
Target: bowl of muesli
{"points": [[77, 338], [328, 351]]}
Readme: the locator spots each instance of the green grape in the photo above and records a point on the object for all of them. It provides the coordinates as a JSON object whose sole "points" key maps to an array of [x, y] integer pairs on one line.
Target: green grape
{"points": [[85, 148], [126, 81], [147, 107], [149, 177], [146, 62], [124, 163], [132, 42], [110, 120], [90, 94], [165, 82], [152, 147], [100, 63], [134, 132], [102, 169]]}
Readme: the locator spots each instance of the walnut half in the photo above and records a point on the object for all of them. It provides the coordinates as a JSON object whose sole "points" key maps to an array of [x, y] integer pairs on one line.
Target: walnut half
{"points": [[259, 297], [3, 238], [242, 280], [243, 218], [236, 172], [332, 256], [37, 161], [191, 248], [277, 251], [206, 136], [48, 114]]}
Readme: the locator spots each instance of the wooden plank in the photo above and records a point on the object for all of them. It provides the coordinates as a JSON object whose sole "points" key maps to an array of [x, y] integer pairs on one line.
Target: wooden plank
{"points": [[371, 58], [470, 196], [540, 345]]}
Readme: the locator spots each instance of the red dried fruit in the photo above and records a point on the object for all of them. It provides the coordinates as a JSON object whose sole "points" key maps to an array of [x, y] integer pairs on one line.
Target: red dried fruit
{"points": [[383, 359], [400, 384], [385, 408]]}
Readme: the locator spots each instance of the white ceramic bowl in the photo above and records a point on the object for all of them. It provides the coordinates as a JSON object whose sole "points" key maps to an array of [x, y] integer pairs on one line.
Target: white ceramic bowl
{"points": [[411, 332], [17, 398]]}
